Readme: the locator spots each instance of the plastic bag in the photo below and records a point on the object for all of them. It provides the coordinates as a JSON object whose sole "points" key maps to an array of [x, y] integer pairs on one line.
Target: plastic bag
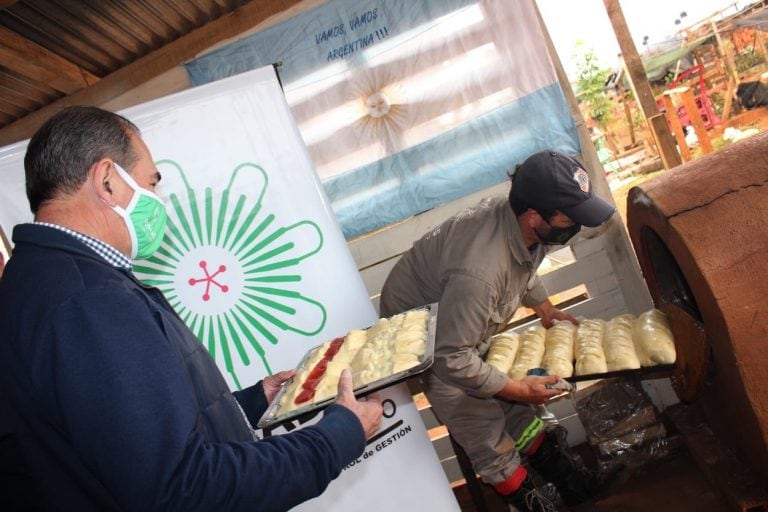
{"points": [[622, 425]]}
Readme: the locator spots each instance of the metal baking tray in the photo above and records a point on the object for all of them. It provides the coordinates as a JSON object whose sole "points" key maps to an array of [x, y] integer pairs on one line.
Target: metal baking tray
{"points": [[664, 370], [271, 418]]}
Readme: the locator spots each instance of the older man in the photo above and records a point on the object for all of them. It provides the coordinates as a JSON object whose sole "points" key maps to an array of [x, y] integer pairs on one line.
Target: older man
{"points": [[113, 401], [481, 266]]}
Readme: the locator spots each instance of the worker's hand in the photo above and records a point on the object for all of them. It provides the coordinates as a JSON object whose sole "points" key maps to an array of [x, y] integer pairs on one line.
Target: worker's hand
{"points": [[368, 410], [549, 314], [273, 383], [557, 316], [530, 390]]}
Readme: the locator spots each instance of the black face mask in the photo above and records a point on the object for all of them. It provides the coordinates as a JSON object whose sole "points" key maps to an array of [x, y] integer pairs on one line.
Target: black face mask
{"points": [[557, 236]]}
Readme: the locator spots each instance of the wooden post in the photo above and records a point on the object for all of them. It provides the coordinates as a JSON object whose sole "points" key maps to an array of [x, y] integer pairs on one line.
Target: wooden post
{"points": [[694, 116], [642, 89], [760, 43], [697, 58], [674, 121], [680, 60], [730, 90], [628, 115], [726, 54], [610, 139]]}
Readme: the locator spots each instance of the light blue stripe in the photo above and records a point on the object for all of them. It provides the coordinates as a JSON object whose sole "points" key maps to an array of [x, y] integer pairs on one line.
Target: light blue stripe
{"points": [[295, 46], [469, 158]]}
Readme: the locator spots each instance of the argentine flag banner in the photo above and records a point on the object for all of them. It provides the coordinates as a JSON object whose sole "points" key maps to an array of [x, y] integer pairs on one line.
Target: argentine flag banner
{"points": [[407, 105], [255, 264]]}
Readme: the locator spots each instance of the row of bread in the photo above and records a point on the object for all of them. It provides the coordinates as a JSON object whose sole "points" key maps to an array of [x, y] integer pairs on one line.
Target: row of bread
{"points": [[390, 346], [595, 346]]}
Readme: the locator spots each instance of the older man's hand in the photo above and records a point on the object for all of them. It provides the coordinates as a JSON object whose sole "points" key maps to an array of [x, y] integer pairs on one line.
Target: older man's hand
{"points": [[273, 383], [368, 410]]}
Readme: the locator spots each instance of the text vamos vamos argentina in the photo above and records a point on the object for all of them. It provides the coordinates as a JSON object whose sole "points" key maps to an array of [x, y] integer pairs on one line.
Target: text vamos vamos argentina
{"points": [[355, 22]]}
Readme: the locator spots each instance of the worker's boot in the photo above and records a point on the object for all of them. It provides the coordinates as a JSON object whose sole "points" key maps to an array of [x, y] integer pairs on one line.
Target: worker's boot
{"points": [[527, 496], [555, 463], [532, 498]]}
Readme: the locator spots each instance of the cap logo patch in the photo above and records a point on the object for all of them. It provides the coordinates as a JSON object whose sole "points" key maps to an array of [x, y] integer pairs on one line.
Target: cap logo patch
{"points": [[581, 177]]}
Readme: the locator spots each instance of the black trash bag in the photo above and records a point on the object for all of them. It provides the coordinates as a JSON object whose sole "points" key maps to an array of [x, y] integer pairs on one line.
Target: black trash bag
{"points": [[623, 427], [752, 94]]}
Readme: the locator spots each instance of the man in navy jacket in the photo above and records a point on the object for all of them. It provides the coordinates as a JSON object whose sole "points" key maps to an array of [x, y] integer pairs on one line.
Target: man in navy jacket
{"points": [[109, 399]]}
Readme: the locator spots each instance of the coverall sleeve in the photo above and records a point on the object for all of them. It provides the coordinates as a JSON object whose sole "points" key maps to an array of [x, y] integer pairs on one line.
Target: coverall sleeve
{"points": [[535, 294], [466, 305], [128, 406]]}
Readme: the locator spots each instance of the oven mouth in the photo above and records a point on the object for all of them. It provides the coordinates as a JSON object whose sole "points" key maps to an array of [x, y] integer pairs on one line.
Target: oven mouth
{"points": [[670, 280]]}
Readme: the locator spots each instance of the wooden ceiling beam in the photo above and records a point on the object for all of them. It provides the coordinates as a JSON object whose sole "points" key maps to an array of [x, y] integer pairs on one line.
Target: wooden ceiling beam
{"points": [[170, 16], [13, 110], [85, 31], [153, 20], [151, 65], [188, 11], [116, 15], [5, 118], [96, 16], [92, 24], [37, 91], [15, 97], [35, 62], [62, 40]]}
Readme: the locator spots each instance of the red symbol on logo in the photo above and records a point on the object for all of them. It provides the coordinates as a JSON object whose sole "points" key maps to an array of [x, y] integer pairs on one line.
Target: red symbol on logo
{"points": [[582, 178], [209, 279]]}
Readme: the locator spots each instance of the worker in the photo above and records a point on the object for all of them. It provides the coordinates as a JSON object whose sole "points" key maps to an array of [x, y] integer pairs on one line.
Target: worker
{"points": [[480, 265], [113, 403]]}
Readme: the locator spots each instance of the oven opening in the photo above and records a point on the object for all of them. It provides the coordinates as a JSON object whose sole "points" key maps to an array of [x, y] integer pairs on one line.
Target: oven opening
{"points": [[673, 287]]}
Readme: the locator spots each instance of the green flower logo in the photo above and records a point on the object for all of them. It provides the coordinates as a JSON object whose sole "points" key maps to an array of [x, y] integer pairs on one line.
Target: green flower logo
{"points": [[231, 271]]}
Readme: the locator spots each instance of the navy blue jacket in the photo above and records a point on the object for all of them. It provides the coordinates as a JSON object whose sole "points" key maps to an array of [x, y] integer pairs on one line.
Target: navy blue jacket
{"points": [[117, 406]]}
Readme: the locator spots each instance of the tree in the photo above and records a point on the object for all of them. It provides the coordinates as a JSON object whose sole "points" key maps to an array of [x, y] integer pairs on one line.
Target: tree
{"points": [[590, 83]]}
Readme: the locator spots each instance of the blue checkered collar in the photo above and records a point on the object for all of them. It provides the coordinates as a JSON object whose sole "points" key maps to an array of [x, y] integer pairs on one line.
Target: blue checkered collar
{"points": [[106, 251]]}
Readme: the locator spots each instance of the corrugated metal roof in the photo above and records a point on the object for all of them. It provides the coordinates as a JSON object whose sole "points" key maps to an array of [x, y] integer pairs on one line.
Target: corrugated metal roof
{"points": [[53, 48]]}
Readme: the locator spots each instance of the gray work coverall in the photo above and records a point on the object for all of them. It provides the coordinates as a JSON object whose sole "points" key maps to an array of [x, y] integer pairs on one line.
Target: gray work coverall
{"points": [[478, 268]]}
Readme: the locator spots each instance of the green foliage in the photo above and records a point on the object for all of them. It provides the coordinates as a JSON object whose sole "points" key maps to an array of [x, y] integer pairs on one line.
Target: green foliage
{"points": [[590, 83], [718, 102], [748, 59]]}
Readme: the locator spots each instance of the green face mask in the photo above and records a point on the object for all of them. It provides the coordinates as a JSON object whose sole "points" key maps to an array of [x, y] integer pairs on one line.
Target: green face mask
{"points": [[145, 217]]}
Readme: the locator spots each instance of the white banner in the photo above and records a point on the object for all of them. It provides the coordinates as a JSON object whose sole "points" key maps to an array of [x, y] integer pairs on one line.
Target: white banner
{"points": [[14, 207], [256, 265]]}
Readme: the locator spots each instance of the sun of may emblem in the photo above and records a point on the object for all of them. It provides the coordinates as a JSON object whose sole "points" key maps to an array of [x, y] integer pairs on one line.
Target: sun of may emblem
{"points": [[231, 270]]}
